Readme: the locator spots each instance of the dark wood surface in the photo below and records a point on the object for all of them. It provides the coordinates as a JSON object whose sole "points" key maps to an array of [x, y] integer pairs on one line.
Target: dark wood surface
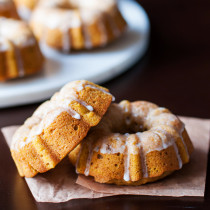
{"points": [[174, 73]]}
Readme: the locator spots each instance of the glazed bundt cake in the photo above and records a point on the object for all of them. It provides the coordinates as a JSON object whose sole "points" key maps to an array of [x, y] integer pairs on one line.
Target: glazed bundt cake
{"points": [[7, 9], [135, 143], [77, 24], [57, 126], [19, 51]]}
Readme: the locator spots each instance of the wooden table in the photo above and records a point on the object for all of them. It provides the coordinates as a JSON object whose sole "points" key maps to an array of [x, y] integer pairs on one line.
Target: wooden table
{"points": [[174, 73]]}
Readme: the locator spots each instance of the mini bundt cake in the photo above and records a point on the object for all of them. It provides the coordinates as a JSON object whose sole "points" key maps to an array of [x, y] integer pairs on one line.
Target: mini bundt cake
{"points": [[57, 126], [8, 9], [19, 51], [77, 24], [135, 143]]}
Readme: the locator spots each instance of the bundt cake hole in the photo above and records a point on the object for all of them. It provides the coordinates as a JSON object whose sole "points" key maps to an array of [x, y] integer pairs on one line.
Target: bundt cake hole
{"points": [[129, 128]]}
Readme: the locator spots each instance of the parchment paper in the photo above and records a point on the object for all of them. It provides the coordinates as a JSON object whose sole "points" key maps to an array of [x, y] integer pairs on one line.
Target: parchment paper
{"points": [[59, 184]]}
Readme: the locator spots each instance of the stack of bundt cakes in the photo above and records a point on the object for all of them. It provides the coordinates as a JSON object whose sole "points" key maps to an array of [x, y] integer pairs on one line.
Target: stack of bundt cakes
{"points": [[135, 143], [57, 126], [8, 9], [77, 24], [19, 51]]}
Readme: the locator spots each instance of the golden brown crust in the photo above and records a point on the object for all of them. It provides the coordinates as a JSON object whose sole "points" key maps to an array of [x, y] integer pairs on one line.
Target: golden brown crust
{"points": [[58, 126], [8, 9], [157, 145]]}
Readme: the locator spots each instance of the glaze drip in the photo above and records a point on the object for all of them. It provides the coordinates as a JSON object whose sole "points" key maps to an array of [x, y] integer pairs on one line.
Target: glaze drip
{"points": [[90, 154], [59, 103]]}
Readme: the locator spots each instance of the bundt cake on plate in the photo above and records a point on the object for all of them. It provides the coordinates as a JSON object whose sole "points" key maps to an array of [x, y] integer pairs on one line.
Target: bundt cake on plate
{"points": [[135, 143], [7, 9], [20, 54], [57, 126], [77, 24]]}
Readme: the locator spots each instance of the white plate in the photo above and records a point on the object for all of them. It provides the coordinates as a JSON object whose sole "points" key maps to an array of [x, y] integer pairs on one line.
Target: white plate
{"points": [[96, 65]]}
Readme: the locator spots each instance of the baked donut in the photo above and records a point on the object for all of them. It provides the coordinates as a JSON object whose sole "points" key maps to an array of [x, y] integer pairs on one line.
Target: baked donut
{"points": [[7, 9], [135, 143], [77, 24], [18, 50], [57, 126]]}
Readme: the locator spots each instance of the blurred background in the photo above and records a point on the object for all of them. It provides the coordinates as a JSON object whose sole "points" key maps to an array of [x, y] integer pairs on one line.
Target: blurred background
{"points": [[176, 69]]}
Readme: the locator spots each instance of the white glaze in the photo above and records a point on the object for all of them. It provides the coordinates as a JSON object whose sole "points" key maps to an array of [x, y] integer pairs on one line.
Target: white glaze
{"points": [[130, 147], [89, 159], [4, 44], [16, 31], [178, 155], [24, 12], [56, 18], [181, 136], [143, 156], [48, 111], [87, 38], [126, 175], [66, 41]]}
